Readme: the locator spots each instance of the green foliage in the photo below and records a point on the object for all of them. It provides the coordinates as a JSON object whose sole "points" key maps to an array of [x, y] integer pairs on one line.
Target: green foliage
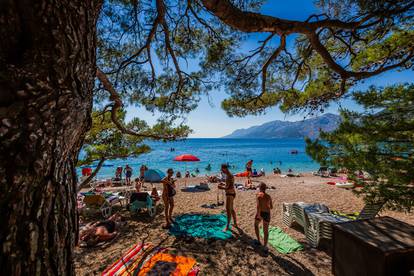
{"points": [[379, 141], [105, 141]]}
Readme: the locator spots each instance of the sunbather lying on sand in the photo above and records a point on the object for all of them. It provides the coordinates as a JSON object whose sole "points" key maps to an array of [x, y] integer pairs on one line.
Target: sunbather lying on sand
{"points": [[101, 230]]}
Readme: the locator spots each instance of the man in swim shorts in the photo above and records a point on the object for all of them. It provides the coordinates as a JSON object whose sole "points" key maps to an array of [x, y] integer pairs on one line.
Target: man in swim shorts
{"points": [[128, 174], [264, 205]]}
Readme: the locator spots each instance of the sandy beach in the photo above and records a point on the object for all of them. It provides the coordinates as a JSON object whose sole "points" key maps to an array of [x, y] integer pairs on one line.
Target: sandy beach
{"points": [[236, 256]]}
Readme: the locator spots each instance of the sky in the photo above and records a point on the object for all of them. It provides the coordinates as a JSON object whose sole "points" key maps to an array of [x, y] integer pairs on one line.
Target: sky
{"points": [[210, 121]]}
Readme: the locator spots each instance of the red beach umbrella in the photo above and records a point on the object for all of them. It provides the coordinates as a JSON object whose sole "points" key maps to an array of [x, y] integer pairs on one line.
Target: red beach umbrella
{"points": [[186, 158]]}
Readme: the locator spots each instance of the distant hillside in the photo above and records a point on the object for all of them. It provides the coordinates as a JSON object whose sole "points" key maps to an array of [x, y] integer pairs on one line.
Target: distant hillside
{"points": [[283, 129]]}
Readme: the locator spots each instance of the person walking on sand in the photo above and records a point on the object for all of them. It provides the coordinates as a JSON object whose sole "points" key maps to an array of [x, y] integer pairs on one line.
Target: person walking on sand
{"points": [[230, 191], [128, 174], [168, 193], [264, 205]]}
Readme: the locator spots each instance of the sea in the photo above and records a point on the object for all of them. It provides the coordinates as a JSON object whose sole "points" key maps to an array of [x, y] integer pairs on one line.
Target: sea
{"points": [[265, 153]]}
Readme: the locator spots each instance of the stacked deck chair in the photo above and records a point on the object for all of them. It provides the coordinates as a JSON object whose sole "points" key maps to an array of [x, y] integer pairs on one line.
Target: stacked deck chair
{"points": [[142, 200], [317, 220], [102, 202]]}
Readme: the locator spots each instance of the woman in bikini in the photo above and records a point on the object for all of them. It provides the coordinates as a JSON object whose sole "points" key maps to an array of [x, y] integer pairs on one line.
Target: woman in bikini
{"points": [[168, 193], [228, 187]]}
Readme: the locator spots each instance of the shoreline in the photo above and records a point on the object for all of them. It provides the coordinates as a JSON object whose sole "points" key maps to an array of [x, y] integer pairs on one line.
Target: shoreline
{"points": [[305, 173]]}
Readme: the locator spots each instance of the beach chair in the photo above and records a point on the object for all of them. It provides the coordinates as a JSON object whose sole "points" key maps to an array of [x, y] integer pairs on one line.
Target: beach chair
{"points": [[322, 172], [287, 214], [97, 202], [142, 200], [320, 224]]}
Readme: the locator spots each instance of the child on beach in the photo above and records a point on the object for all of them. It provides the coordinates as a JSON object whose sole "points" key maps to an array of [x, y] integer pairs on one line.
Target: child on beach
{"points": [[154, 194], [249, 184], [228, 187], [168, 193], [264, 205], [138, 185]]}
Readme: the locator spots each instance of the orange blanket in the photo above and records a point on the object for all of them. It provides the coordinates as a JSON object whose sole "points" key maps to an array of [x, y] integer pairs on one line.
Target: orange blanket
{"points": [[184, 264]]}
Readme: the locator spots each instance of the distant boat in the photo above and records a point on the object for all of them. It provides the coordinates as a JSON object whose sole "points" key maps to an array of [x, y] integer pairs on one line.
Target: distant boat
{"points": [[294, 151]]}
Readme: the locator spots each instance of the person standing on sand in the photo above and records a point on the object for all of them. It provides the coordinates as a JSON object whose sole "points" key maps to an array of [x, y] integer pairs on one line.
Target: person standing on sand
{"points": [[228, 187], [249, 165], [142, 170], [128, 174], [168, 193], [264, 205]]}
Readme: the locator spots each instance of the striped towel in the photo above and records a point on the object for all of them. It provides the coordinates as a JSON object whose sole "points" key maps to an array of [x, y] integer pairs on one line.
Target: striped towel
{"points": [[132, 260]]}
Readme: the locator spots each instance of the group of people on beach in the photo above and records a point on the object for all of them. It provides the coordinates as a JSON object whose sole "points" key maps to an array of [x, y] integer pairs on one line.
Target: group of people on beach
{"points": [[106, 230], [264, 201]]}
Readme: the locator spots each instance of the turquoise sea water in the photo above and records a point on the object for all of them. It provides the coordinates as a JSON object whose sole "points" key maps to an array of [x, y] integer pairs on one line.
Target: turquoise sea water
{"points": [[266, 153]]}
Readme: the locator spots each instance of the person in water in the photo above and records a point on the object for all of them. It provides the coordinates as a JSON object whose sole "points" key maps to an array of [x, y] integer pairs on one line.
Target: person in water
{"points": [[178, 175], [187, 174], [168, 193], [128, 174], [142, 170], [230, 191], [101, 230], [264, 205]]}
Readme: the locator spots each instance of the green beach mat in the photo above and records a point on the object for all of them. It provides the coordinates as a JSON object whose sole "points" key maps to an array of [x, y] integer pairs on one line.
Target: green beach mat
{"points": [[281, 241], [201, 226]]}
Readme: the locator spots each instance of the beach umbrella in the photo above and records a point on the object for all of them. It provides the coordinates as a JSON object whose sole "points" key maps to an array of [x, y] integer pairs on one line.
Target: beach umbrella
{"points": [[186, 158], [153, 175]]}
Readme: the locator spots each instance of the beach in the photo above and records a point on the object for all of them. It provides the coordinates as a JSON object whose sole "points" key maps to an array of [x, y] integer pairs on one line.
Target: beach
{"points": [[238, 255]]}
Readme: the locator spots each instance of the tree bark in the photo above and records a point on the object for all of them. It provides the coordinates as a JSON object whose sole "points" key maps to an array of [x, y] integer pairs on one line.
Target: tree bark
{"points": [[47, 72]]}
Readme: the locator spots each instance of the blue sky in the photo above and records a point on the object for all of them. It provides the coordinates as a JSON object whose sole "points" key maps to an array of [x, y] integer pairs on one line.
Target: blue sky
{"points": [[209, 120]]}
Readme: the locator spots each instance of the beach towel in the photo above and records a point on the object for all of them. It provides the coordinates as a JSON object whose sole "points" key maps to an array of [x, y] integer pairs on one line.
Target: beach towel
{"points": [[166, 264], [194, 189], [201, 226], [281, 241], [133, 259]]}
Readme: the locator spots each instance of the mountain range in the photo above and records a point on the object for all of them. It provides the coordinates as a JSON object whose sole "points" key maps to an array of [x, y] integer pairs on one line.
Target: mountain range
{"points": [[285, 129]]}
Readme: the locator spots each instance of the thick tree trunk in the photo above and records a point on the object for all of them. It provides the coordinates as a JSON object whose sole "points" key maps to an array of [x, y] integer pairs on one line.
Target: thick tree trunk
{"points": [[47, 71]]}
